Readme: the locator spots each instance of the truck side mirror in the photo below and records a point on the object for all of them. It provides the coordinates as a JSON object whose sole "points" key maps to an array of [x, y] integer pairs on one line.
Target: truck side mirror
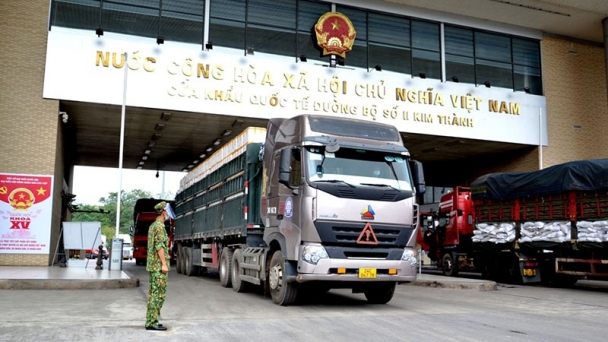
{"points": [[418, 175], [285, 167]]}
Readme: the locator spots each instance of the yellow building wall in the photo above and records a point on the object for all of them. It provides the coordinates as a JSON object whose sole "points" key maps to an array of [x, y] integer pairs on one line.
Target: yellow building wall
{"points": [[28, 123], [574, 81]]}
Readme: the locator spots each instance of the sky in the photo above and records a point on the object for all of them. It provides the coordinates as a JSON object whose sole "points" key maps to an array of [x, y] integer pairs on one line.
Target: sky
{"points": [[92, 183]]}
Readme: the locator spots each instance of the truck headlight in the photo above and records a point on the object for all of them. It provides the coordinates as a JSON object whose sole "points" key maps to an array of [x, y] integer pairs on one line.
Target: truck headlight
{"points": [[313, 253], [409, 255]]}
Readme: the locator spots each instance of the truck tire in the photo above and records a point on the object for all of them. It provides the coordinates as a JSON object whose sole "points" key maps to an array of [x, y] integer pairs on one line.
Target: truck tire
{"points": [[226, 267], [379, 293], [282, 292], [448, 265], [178, 263], [237, 284], [190, 269]]}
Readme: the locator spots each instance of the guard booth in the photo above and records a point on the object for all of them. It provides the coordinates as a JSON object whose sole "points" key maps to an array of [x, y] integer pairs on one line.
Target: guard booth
{"points": [[116, 255]]}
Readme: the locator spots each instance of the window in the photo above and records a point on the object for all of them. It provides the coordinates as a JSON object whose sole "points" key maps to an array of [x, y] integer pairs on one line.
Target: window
{"points": [[459, 55], [271, 26], [227, 23], [295, 176], [425, 49], [182, 21], [389, 43], [508, 62]]}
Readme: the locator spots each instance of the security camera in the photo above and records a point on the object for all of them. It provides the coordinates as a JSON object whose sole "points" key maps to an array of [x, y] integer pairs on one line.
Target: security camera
{"points": [[64, 117]]}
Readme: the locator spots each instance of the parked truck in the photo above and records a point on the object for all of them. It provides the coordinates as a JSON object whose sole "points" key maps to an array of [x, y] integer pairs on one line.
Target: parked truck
{"points": [[310, 203], [143, 216], [127, 248], [547, 226]]}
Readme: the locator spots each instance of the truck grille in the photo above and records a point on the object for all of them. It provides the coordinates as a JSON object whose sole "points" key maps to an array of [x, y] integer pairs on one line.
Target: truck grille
{"points": [[346, 234]]}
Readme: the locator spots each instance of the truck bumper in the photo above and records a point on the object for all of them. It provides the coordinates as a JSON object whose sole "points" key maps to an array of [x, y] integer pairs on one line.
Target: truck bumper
{"points": [[328, 270]]}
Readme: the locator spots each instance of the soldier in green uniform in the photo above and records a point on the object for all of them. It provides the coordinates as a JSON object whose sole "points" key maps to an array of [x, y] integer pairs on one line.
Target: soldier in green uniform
{"points": [[158, 266]]}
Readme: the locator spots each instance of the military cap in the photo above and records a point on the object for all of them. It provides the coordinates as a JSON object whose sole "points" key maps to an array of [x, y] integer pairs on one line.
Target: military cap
{"points": [[160, 207]]}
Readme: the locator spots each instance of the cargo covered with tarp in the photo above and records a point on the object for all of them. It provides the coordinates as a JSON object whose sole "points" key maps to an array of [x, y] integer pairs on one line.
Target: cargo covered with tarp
{"points": [[582, 175]]}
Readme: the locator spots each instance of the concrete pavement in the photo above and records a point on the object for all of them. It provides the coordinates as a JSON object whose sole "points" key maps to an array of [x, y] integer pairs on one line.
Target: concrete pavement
{"points": [[80, 274]]}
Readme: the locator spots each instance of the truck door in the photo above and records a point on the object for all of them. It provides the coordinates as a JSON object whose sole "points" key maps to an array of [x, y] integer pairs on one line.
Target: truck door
{"points": [[289, 199]]}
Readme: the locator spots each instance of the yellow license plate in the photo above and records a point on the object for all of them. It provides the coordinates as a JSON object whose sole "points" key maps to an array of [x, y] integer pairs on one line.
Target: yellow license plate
{"points": [[367, 273], [529, 272]]}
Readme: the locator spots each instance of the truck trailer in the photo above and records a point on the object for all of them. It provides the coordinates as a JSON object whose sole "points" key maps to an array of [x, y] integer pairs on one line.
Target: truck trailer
{"points": [[548, 226], [308, 203]]}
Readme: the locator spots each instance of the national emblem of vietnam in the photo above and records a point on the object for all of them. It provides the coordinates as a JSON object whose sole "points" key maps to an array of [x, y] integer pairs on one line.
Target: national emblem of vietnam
{"points": [[335, 34]]}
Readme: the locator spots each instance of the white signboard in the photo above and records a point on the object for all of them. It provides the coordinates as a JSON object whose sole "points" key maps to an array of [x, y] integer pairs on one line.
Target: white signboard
{"points": [[176, 76], [81, 235]]}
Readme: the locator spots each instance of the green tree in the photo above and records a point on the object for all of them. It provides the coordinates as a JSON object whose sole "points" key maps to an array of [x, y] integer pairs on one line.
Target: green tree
{"points": [[106, 213], [127, 204]]}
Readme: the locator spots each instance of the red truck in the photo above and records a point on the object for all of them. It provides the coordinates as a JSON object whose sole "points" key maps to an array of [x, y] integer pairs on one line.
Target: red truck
{"points": [[445, 235], [547, 226], [143, 216]]}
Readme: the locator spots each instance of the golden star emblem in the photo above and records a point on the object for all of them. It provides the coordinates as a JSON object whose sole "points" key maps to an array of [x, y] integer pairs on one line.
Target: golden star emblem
{"points": [[335, 25], [41, 191]]}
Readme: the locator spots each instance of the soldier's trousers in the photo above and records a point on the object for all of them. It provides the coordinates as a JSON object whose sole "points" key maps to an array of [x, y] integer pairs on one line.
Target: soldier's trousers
{"points": [[156, 297]]}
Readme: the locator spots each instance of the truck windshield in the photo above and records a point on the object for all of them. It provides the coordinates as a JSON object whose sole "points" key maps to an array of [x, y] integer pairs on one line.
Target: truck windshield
{"points": [[357, 167]]}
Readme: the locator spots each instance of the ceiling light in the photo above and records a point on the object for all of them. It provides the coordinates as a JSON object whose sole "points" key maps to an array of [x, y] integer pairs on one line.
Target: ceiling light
{"points": [[147, 151], [156, 136], [190, 166], [227, 133], [165, 116], [185, 169], [202, 156], [141, 163], [455, 142], [209, 149], [217, 142], [144, 158], [159, 127], [237, 123], [139, 167]]}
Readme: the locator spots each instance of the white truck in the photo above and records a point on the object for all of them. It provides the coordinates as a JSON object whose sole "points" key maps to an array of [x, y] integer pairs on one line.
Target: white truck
{"points": [[296, 207], [127, 247]]}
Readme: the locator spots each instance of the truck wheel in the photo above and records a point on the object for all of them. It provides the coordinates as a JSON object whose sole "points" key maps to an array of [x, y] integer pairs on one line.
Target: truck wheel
{"points": [[282, 292], [226, 267], [379, 293], [190, 269], [448, 266], [237, 284], [178, 263]]}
